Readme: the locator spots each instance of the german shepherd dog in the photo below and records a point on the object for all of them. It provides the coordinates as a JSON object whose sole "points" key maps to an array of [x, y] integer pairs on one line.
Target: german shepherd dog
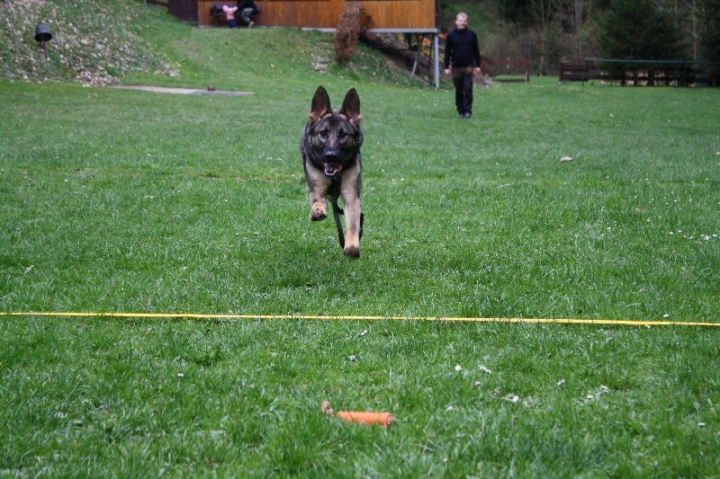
{"points": [[330, 148]]}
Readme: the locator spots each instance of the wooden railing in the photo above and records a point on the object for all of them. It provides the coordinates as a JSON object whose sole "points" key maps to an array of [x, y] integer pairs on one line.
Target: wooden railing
{"points": [[642, 72]]}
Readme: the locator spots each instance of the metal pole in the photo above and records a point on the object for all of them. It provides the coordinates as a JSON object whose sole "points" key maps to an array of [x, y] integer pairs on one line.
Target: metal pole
{"points": [[577, 29], [417, 55], [436, 54]]}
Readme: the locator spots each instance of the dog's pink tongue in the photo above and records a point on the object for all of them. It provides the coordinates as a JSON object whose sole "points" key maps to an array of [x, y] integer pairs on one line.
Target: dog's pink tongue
{"points": [[332, 169]]}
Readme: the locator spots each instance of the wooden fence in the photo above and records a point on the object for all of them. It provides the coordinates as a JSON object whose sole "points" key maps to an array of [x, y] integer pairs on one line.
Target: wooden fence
{"points": [[642, 72]]}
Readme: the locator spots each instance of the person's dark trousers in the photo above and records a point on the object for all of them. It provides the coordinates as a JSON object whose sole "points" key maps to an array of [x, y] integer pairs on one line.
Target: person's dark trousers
{"points": [[463, 81]]}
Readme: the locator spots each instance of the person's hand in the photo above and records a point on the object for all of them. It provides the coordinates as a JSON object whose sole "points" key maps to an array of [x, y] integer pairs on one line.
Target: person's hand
{"points": [[478, 70], [448, 71]]}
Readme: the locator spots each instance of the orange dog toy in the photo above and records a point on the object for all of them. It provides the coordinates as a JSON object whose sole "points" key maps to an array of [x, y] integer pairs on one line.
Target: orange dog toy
{"points": [[384, 419]]}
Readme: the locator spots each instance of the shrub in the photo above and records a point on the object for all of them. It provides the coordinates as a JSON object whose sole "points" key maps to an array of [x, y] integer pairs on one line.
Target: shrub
{"points": [[353, 20]]}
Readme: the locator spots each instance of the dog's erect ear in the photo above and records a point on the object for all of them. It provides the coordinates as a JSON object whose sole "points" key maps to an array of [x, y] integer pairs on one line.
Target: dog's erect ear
{"points": [[320, 105], [351, 107]]}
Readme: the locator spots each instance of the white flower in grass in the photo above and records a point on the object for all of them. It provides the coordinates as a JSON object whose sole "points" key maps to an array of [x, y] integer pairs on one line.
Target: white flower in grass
{"points": [[458, 368], [485, 370]]}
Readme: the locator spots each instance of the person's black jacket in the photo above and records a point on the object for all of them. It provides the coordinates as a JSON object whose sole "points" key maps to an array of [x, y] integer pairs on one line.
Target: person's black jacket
{"points": [[243, 4], [461, 46]]}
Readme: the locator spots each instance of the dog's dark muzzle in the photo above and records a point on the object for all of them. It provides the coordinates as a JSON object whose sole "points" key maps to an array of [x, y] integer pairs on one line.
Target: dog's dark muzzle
{"points": [[331, 162]]}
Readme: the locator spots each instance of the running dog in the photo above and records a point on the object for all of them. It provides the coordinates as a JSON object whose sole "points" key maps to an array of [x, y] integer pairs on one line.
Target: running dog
{"points": [[330, 148]]}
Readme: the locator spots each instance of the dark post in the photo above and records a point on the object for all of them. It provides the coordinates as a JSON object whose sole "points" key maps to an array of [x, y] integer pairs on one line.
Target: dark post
{"points": [[42, 36]]}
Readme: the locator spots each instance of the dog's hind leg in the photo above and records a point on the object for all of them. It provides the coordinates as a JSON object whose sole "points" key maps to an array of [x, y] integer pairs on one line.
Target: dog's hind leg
{"points": [[337, 211]]}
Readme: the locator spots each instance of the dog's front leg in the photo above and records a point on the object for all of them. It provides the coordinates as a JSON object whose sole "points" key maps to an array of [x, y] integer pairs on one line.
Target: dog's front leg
{"points": [[318, 206], [350, 192], [318, 184]]}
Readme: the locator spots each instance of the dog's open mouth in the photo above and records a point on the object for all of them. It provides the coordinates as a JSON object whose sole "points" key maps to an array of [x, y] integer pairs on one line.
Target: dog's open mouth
{"points": [[332, 169]]}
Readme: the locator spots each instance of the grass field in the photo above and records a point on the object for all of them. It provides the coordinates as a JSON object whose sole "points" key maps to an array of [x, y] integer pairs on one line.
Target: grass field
{"points": [[129, 201]]}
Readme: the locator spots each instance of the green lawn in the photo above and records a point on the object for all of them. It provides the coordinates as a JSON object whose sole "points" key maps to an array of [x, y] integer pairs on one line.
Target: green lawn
{"points": [[135, 202]]}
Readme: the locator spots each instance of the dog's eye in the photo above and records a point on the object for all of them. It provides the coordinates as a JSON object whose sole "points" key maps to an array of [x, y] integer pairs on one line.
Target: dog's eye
{"points": [[342, 134]]}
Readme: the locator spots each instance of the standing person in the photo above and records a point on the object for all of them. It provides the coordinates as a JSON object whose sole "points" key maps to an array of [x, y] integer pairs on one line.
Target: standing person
{"points": [[461, 47], [230, 15], [247, 10]]}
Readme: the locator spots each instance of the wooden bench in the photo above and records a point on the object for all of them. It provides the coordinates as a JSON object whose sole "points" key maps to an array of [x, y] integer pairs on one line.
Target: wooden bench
{"points": [[219, 16], [505, 69], [579, 71]]}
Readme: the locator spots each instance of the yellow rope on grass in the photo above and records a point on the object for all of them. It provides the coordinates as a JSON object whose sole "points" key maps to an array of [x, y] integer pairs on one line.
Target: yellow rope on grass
{"points": [[594, 322]]}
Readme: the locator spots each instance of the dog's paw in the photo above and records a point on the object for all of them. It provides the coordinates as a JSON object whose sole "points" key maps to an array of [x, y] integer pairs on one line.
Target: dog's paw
{"points": [[318, 214], [318, 211], [352, 251]]}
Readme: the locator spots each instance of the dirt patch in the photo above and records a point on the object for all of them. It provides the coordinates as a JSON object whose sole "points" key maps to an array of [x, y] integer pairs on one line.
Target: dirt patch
{"points": [[184, 91]]}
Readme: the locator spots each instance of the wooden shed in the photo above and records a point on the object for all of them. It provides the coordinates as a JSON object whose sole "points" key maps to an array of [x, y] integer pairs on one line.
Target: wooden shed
{"points": [[384, 14]]}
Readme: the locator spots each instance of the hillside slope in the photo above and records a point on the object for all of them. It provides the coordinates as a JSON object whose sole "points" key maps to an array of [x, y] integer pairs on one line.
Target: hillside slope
{"points": [[128, 41], [94, 43]]}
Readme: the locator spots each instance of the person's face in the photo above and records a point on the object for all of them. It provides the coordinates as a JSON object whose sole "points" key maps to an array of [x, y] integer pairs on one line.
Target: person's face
{"points": [[461, 22]]}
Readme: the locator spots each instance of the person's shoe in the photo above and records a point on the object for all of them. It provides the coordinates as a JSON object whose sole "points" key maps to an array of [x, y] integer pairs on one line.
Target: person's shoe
{"points": [[461, 115], [250, 25], [468, 115]]}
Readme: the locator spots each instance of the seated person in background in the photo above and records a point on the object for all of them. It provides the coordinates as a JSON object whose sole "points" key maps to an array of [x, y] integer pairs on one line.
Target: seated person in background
{"points": [[230, 14], [247, 10]]}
